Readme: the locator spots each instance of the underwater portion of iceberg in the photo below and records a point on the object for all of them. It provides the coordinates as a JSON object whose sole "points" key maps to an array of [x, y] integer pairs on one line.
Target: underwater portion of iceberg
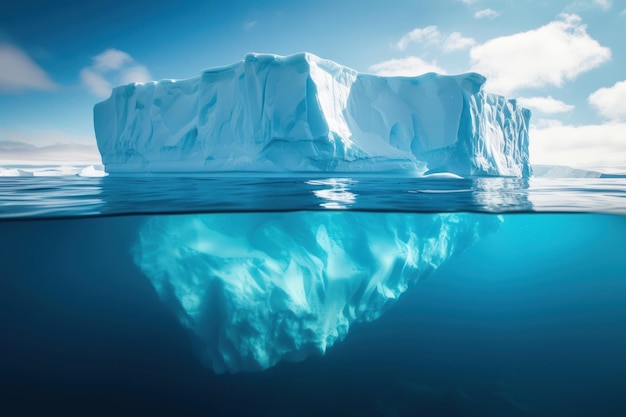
{"points": [[258, 288], [304, 113]]}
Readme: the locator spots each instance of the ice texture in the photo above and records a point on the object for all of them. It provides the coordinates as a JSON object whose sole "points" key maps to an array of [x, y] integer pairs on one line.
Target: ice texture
{"points": [[304, 113], [257, 288]]}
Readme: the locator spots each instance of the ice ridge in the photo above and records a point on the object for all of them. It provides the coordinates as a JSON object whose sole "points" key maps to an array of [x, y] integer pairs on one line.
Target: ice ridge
{"points": [[302, 113]]}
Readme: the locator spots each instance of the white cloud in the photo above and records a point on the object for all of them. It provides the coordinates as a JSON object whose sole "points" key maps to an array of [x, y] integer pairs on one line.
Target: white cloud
{"points": [[486, 13], [427, 35], [610, 102], [430, 36], [111, 59], [249, 24], [468, 1], [543, 123], [603, 4], [547, 56], [456, 41], [588, 147], [409, 66], [623, 13], [135, 74], [95, 82], [546, 105], [584, 5], [112, 67], [19, 72]]}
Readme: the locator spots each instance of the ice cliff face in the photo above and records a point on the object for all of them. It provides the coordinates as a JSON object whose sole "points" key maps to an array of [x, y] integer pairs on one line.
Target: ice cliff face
{"points": [[257, 288], [304, 113]]}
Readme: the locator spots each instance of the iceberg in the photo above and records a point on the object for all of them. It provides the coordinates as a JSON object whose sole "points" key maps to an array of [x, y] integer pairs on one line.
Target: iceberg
{"points": [[302, 113], [254, 289]]}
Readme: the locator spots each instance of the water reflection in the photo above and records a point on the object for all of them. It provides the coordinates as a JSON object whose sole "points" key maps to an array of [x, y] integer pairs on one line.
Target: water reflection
{"points": [[338, 196], [496, 194], [47, 197], [51, 196]]}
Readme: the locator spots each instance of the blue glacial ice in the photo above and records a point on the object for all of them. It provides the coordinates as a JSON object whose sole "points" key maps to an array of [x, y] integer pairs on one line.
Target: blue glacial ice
{"points": [[304, 113], [254, 289]]}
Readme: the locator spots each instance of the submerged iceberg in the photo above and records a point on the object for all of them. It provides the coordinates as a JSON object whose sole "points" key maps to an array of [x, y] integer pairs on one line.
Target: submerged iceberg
{"points": [[257, 288], [304, 113]]}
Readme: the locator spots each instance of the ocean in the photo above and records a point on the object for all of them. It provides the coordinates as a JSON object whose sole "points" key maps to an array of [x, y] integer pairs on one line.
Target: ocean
{"points": [[522, 312]]}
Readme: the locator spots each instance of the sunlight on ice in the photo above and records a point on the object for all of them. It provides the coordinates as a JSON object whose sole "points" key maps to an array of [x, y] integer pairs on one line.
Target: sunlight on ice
{"points": [[337, 196]]}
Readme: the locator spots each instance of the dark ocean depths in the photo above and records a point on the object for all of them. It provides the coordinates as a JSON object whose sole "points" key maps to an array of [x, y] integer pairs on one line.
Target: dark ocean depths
{"points": [[528, 321]]}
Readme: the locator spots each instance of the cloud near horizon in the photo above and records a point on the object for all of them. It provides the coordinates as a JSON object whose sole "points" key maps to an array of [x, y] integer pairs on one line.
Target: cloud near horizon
{"points": [[112, 67], [49, 146], [598, 147], [610, 102], [16, 153], [20, 73]]}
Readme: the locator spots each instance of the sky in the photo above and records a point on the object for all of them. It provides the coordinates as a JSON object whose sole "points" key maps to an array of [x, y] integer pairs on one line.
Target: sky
{"points": [[565, 60]]}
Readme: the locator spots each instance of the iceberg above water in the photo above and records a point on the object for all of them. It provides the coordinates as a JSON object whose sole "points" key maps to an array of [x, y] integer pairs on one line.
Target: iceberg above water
{"points": [[301, 113], [254, 289]]}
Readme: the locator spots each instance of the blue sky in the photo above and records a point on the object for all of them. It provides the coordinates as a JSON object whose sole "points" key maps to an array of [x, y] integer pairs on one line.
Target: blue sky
{"points": [[566, 60]]}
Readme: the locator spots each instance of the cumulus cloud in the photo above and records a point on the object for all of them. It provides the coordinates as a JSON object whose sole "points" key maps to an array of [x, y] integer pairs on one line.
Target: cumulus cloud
{"points": [[112, 67], [486, 13], [427, 35], [135, 74], [610, 102], [589, 147], [546, 105], [111, 59], [95, 82], [547, 56], [455, 41], [19, 72], [431, 36], [409, 66]]}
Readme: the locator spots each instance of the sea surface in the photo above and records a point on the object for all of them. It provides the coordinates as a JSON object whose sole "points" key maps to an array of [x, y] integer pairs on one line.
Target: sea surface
{"points": [[527, 320]]}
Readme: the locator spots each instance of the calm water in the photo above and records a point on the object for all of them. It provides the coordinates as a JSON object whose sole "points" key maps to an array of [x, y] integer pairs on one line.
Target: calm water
{"points": [[529, 320]]}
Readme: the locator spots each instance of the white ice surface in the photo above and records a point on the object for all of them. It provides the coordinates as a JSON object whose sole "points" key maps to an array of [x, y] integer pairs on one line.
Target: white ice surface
{"points": [[304, 113]]}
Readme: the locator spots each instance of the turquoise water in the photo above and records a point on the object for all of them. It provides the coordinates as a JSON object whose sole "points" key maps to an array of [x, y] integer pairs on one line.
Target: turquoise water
{"points": [[524, 315]]}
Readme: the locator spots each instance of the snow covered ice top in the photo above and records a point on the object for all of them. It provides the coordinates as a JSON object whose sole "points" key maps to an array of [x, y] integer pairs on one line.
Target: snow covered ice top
{"points": [[304, 113]]}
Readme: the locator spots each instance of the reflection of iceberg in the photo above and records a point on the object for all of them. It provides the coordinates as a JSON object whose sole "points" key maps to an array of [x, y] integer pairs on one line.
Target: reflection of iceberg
{"points": [[501, 194], [257, 288], [338, 196]]}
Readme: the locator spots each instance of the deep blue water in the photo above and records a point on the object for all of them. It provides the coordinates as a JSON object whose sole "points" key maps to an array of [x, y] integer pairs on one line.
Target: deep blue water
{"points": [[529, 321]]}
